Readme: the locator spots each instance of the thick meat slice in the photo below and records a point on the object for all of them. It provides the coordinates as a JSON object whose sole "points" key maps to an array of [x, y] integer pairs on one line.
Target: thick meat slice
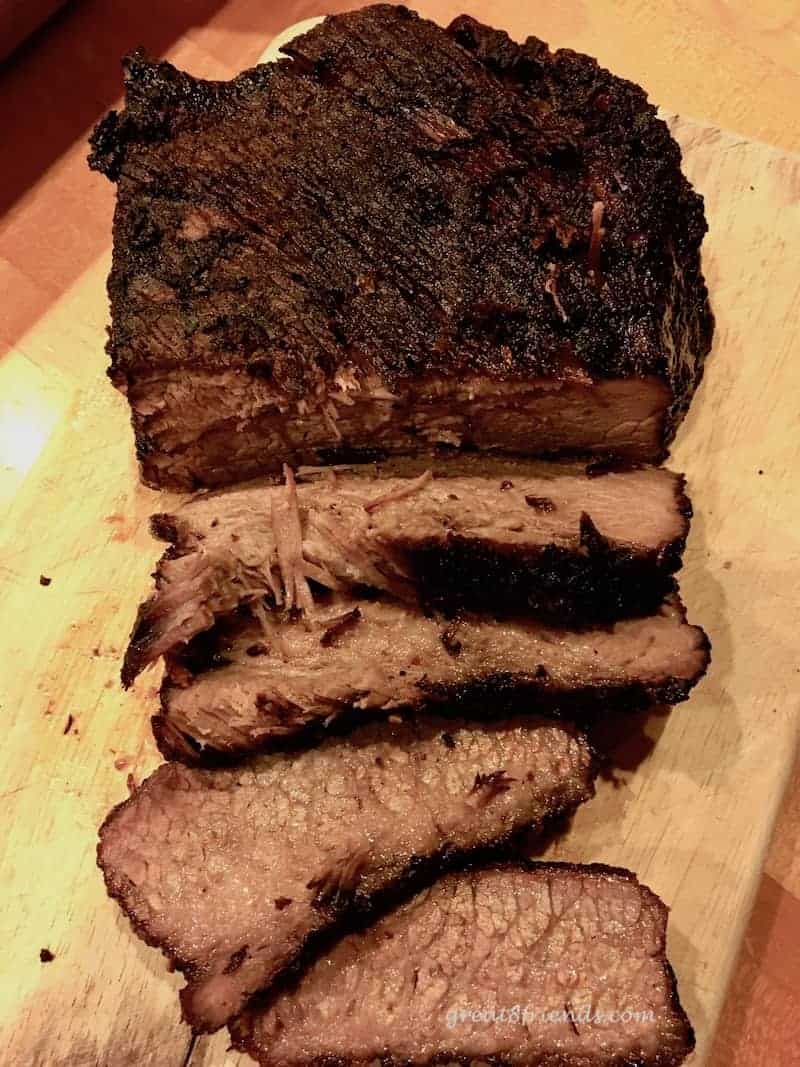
{"points": [[231, 873], [541, 538], [506, 258], [543, 965], [256, 688], [546, 539]]}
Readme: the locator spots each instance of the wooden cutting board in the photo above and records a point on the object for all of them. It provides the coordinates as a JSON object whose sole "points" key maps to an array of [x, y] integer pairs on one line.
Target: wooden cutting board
{"points": [[693, 801]]}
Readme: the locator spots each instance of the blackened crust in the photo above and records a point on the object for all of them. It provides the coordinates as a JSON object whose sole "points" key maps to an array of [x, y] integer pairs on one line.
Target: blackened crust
{"points": [[557, 585], [166, 527], [137, 654], [469, 189], [592, 582], [597, 584]]}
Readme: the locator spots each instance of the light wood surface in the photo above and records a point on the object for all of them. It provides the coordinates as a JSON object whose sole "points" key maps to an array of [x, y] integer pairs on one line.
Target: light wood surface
{"points": [[693, 806]]}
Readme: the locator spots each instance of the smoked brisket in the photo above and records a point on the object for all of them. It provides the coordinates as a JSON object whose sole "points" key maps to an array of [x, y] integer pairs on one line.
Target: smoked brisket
{"points": [[539, 965], [400, 240], [544, 539], [259, 683], [232, 873]]}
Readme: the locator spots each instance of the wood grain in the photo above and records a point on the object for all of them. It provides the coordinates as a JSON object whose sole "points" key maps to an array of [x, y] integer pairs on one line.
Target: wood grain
{"points": [[680, 818], [74, 512]]}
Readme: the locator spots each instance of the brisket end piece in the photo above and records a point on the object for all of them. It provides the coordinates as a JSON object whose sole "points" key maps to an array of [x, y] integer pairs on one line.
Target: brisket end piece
{"points": [[536, 965], [506, 258], [544, 539], [235, 873], [249, 686]]}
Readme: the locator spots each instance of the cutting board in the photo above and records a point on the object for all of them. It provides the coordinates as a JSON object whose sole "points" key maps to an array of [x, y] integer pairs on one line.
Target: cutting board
{"points": [[694, 795]]}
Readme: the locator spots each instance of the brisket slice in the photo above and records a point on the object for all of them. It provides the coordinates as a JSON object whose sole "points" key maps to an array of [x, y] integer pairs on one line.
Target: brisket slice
{"points": [[248, 686], [538, 965], [505, 258], [546, 539], [232, 873]]}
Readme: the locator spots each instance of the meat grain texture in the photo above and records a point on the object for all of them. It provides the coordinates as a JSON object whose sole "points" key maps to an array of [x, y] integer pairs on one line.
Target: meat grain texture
{"points": [[574, 956], [233, 873], [546, 539], [257, 685], [507, 258]]}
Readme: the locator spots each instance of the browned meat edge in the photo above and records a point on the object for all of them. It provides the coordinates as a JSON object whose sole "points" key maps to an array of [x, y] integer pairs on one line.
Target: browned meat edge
{"points": [[354, 910], [599, 583], [491, 697], [461, 235], [504, 694], [239, 1028]]}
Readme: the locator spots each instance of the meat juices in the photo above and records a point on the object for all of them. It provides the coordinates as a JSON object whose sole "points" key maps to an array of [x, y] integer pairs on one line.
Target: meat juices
{"points": [[574, 956], [232, 873], [505, 259]]}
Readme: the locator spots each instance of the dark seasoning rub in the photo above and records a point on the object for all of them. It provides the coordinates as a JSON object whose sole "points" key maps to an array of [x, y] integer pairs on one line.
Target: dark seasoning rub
{"points": [[505, 260], [503, 214], [604, 547]]}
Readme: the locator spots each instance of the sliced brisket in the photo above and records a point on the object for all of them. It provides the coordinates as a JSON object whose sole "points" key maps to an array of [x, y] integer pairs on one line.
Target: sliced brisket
{"points": [[541, 538], [505, 258], [231, 873], [253, 685], [542, 965]]}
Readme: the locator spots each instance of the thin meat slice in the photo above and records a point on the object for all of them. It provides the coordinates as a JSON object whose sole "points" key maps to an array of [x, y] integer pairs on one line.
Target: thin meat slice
{"points": [[252, 688], [233, 872], [544, 538], [537, 965]]}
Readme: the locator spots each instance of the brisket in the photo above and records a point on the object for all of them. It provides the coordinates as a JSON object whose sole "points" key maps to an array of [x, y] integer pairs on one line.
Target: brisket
{"points": [[537, 965], [544, 539], [251, 685], [233, 873], [505, 258]]}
